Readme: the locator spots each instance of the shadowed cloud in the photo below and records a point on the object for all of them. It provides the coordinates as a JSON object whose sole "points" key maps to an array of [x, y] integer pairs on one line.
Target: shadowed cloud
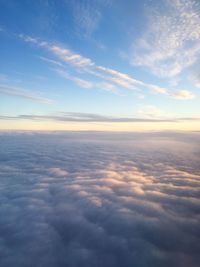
{"points": [[82, 199]]}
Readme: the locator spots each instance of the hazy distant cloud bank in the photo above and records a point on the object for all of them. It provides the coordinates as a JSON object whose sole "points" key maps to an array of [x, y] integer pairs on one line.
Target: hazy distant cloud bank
{"points": [[99, 200], [149, 114]]}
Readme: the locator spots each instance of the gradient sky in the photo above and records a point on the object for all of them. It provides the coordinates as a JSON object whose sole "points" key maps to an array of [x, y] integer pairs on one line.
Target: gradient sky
{"points": [[100, 64]]}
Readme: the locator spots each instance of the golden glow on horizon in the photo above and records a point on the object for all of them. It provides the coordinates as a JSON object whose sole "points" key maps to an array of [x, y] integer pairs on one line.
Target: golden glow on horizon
{"points": [[136, 126]]}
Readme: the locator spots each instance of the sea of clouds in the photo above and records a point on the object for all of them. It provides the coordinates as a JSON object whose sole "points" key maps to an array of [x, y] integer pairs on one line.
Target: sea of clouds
{"points": [[99, 199]]}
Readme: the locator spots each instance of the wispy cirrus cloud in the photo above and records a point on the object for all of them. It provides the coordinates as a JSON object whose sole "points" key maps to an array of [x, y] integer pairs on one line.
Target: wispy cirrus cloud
{"points": [[86, 65], [183, 94], [64, 54], [52, 61], [18, 92], [68, 56], [118, 78], [150, 111], [125, 81], [195, 79], [171, 42], [108, 87], [80, 82], [87, 14]]}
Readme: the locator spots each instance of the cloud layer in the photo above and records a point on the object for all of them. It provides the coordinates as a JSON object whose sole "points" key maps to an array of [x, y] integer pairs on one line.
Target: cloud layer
{"points": [[99, 199]]}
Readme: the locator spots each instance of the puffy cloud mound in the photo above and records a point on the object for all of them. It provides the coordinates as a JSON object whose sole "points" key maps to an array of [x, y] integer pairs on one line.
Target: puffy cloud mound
{"points": [[82, 199]]}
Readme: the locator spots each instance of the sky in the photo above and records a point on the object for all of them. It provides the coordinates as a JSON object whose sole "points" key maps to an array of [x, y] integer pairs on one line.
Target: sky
{"points": [[114, 65]]}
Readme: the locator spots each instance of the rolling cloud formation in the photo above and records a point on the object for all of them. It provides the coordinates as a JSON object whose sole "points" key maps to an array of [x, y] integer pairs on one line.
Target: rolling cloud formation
{"points": [[101, 199]]}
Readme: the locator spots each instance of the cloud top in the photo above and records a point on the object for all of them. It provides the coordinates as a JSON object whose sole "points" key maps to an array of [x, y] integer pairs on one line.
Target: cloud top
{"points": [[99, 199]]}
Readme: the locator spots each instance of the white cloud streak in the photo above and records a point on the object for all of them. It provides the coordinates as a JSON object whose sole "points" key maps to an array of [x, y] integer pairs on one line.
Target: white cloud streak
{"points": [[29, 95], [183, 94], [80, 82], [86, 65]]}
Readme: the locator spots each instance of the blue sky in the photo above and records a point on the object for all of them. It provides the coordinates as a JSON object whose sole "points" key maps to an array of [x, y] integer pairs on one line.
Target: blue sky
{"points": [[84, 65]]}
